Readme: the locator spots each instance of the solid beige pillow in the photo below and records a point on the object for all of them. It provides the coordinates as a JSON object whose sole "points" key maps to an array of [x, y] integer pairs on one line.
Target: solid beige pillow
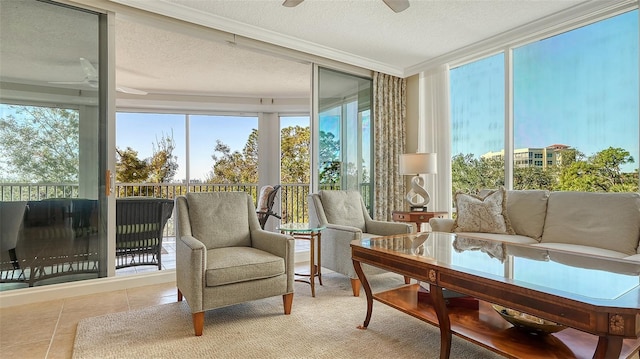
{"points": [[482, 214], [527, 210]]}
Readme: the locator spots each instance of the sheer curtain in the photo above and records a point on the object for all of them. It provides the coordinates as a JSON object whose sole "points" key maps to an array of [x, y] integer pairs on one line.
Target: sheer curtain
{"points": [[389, 113], [434, 134]]}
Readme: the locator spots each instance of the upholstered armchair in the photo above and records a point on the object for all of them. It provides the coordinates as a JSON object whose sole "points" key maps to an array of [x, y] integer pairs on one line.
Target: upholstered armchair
{"points": [[346, 218], [223, 257]]}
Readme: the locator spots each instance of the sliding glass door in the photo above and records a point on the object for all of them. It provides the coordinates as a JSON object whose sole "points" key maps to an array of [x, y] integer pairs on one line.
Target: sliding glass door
{"points": [[344, 133], [52, 144]]}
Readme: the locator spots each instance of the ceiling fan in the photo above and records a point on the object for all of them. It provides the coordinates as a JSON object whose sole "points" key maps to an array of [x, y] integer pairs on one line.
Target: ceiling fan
{"points": [[91, 79], [395, 5]]}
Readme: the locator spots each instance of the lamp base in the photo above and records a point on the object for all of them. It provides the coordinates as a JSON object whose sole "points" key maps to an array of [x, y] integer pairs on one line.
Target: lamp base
{"points": [[417, 197], [418, 208]]}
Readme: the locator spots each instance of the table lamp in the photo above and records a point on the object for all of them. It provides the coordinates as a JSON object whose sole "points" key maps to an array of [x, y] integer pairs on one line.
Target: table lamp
{"points": [[416, 164]]}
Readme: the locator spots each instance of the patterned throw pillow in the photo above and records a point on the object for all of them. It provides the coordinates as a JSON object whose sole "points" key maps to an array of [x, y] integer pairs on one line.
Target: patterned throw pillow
{"points": [[486, 214]]}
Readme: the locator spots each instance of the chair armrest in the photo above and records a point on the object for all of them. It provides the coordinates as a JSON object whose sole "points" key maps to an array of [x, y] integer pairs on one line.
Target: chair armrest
{"points": [[383, 228], [441, 224], [191, 259], [281, 245]]}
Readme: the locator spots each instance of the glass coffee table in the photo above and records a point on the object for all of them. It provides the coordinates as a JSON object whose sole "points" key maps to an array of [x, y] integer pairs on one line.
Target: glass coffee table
{"points": [[597, 299], [304, 231]]}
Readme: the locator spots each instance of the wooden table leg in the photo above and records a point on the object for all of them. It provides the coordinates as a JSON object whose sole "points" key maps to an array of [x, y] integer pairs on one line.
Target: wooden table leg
{"points": [[367, 290], [608, 347], [440, 307]]}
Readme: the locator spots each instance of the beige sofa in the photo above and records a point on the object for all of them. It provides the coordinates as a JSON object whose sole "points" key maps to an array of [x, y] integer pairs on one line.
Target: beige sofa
{"points": [[603, 224]]}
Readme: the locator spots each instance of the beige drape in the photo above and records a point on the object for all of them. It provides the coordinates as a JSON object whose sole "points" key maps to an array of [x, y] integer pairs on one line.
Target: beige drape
{"points": [[389, 113]]}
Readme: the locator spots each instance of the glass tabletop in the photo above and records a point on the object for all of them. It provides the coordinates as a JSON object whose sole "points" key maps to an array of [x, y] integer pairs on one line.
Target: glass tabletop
{"points": [[299, 228], [528, 266]]}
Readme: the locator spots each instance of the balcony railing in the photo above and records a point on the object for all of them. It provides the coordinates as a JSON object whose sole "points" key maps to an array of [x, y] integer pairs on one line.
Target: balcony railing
{"points": [[293, 196]]}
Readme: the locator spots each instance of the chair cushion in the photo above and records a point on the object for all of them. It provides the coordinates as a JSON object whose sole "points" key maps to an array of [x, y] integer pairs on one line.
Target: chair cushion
{"points": [[241, 264], [527, 210], [482, 214], [601, 220], [220, 219], [343, 208]]}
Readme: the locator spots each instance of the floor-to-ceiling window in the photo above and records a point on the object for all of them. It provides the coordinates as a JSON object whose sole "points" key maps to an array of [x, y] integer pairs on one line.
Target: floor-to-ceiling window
{"points": [[344, 132], [165, 155], [52, 144], [575, 112]]}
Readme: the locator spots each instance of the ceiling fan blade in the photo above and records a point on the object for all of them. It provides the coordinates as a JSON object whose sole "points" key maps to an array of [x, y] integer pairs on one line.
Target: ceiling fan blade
{"points": [[88, 69], [397, 5], [292, 3], [130, 90]]}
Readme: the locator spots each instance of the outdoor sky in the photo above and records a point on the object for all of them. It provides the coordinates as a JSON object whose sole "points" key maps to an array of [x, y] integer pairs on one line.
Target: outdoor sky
{"points": [[140, 131], [579, 89]]}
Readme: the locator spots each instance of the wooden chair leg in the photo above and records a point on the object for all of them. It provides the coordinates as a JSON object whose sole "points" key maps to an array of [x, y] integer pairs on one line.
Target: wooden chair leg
{"points": [[287, 299], [198, 323], [355, 286], [179, 296]]}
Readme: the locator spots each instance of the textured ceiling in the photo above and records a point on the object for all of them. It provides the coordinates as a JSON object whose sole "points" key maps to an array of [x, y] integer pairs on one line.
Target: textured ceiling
{"points": [[165, 62], [363, 31]]}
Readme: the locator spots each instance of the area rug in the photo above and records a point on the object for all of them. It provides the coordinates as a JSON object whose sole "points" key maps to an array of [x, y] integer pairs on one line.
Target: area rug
{"points": [[320, 327]]}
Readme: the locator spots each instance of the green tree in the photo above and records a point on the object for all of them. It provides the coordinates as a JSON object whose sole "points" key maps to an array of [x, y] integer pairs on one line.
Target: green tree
{"points": [[40, 144], [329, 158], [230, 167], [129, 168], [163, 164], [295, 154], [599, 173], [242, 167], [534, 178], [470, 174]]}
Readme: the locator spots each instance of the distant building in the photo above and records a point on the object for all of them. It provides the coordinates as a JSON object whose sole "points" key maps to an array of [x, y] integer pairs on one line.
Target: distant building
{"points": [[533, 157]]}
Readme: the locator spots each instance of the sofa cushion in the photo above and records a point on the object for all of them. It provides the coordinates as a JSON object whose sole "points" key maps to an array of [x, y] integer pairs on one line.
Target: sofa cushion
{"points": [[526, 211], [482, 214], [343, 208], [219, 219], [241, 264], [601, 220]]}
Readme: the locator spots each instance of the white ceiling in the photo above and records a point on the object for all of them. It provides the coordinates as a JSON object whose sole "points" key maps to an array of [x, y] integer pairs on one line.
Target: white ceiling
{"points": [[165, 59]]}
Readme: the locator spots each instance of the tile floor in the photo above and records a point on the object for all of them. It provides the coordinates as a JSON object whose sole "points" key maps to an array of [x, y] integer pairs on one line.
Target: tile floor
{"points": [[47, 329]]}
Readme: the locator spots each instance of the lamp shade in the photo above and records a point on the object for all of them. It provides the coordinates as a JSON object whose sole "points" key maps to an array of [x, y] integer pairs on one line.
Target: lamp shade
{"points": [[418, 163]]}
